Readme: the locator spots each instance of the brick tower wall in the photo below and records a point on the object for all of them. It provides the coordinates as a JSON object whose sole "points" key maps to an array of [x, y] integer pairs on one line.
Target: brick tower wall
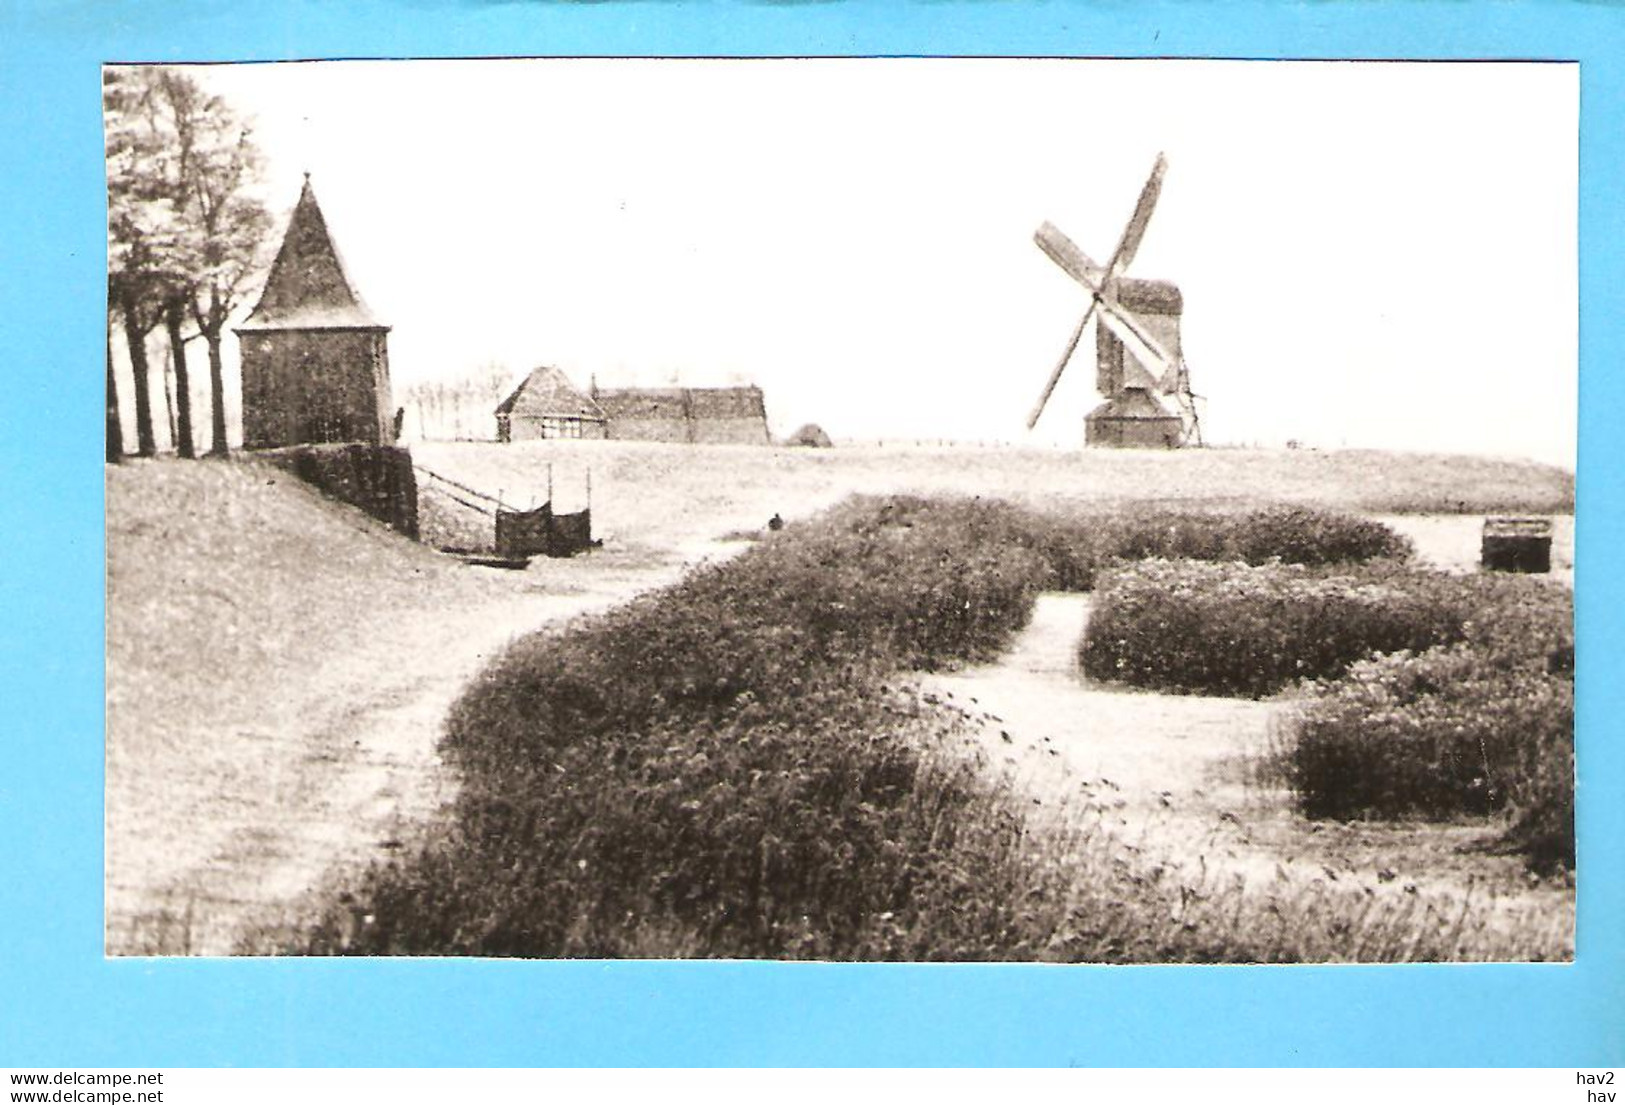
{"points": [[316, 386]]}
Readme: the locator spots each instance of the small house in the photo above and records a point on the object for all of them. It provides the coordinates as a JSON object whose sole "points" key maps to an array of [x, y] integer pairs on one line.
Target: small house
{"points": [[547, 405]]}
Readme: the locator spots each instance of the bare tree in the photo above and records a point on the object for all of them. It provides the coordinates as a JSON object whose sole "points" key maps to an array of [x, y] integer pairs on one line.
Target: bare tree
{"points": [[493, 382], [460, 406]]}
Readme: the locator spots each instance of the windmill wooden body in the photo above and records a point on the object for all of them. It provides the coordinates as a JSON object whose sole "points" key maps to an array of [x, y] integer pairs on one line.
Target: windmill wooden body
{"points": [[1140, 365]]}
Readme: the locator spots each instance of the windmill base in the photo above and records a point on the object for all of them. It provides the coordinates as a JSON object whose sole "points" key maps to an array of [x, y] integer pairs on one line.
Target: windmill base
{"points": [[1133, 433]]}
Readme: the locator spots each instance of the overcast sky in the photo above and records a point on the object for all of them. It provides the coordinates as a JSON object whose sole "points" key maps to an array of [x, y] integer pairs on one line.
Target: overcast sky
{"points": [[1371, 254]]}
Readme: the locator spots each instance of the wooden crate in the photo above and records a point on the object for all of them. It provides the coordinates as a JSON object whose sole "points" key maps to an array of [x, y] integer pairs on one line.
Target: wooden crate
{"points": [[1516, 545]]}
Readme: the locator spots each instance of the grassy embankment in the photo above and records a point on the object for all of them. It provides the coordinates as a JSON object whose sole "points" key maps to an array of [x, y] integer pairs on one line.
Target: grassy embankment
{"points": [[264, 645], [657, 498], [731, 768], [242, 610]]}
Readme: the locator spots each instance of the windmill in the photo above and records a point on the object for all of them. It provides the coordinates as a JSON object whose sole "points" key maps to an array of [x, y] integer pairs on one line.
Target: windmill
{"points": [[1140, 368]]}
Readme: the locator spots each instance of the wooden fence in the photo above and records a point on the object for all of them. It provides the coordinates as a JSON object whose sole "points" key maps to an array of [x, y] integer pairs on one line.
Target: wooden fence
{"points": [[523, 533]]}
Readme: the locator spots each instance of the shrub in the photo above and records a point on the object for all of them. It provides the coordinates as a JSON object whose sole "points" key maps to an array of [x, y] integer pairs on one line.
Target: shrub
{"points": [[1077, 548], [1482, 726], [1290, 534], [1232, 629], [1439, 733], [1301, 535]]}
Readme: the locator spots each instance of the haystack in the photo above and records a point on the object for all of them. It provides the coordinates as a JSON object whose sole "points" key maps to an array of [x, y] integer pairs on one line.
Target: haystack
{"points": [[811, 436]]}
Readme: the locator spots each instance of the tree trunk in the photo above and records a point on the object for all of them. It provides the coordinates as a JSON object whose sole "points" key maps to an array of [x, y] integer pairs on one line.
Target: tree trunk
{"points": [[136, 339], [115, 429], [166, 372], [174, 314], [217, 388]]}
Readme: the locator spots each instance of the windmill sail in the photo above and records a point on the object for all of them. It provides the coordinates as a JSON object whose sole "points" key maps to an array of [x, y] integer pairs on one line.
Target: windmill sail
{"points": [[1060, 366], [1134, 232], [1155, 361], [1073, 261]]}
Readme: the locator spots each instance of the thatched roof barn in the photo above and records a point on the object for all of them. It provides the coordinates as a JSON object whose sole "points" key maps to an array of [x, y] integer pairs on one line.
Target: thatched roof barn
{"points": [[547, 405], [315, 363], [645, 414], [720, 416]]}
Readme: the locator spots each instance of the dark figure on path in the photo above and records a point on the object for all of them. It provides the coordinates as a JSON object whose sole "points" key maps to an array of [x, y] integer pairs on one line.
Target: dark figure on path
{"points": [[775, 523]]}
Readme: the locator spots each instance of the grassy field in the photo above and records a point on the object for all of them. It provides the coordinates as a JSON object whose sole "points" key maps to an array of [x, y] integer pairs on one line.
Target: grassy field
{"points": [[671, 496], [278, 665]]}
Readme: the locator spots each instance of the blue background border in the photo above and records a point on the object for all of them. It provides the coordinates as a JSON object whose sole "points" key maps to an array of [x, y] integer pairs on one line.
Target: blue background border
{"points": [[61, 1003]]}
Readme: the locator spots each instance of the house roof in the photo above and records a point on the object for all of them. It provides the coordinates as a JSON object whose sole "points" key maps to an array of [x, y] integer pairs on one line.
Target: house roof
{"points": [[702, 404], [743, 402], [642, 402], [548, 393], [308, 288]]}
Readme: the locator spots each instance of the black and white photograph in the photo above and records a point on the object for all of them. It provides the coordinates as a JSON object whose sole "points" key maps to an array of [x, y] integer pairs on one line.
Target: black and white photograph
{"points": [[867, 509]]}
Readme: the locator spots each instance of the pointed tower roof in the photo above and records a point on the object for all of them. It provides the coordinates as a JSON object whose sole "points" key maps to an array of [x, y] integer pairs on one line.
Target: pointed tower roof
{"points": [[308, 288]]}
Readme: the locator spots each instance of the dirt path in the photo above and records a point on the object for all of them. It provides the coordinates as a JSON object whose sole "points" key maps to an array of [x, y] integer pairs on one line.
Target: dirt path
{"points": [[270, 813], [1169, 767], [1178, 780]]}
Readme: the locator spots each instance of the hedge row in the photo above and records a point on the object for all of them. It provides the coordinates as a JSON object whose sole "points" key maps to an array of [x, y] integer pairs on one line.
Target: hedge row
{"points": [[1235, 629], [1079, 547], [1476, 727], [1429, 694]]}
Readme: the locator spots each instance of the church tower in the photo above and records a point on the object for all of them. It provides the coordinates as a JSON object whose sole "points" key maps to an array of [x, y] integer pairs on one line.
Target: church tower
{"points": [[315, 363]]}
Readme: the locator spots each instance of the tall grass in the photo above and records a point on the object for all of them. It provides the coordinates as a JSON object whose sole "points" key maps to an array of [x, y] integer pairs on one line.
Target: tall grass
{"points": [[1476, 727], [732, 768], [1235, 629], [1429, 695], [1078, 546], [722, 766]]}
